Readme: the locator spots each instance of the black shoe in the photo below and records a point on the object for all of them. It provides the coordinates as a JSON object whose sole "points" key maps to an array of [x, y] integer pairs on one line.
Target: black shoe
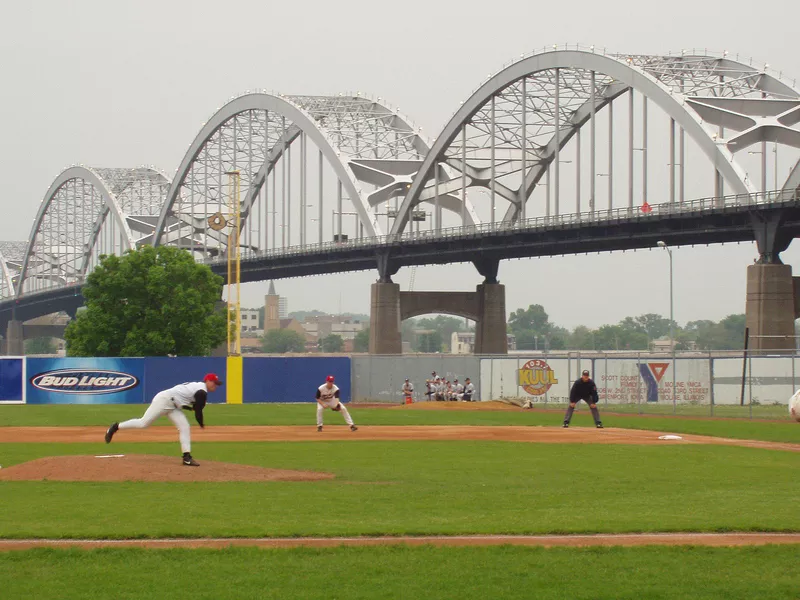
{"points": [[319, 427], [565, 425], [111, 431], [353, 428], [188, 461], [599, 425]]}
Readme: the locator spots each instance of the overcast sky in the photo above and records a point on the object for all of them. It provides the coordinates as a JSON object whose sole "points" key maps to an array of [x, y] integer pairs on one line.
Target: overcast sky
{"points": [[125, 83]]}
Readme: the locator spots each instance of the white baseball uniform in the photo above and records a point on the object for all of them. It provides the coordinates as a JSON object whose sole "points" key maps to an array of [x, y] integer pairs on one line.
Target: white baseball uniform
{"points": [[794, 406], [169, 404], [329, 396], [469, 391]]}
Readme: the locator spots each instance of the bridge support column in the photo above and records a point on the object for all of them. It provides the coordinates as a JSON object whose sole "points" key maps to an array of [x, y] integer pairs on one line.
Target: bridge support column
{"points": [[490, 329], [384, 319], [770, 307], [15, 341]]}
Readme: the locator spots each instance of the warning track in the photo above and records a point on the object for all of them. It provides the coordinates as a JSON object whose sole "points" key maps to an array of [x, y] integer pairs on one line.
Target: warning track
{"points": [[236, 433], [544, 541]]}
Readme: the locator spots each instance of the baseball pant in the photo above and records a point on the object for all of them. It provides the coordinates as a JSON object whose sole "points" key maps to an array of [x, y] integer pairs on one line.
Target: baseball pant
{"points": [[162, 405], [571, 409], [321, 409]]}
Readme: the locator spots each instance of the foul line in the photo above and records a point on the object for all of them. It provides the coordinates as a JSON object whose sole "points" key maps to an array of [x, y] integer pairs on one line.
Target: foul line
{"points": [[545, 541]]}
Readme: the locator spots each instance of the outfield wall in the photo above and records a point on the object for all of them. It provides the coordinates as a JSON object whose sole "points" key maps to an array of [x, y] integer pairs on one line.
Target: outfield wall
{"points": [[644, 380]]}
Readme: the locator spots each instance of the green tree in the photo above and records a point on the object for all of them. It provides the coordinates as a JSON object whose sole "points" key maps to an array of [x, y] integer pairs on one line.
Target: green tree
{"points": [[534, 318], [332, 343], [148, 302], [444, 325], [281, 341], [430, 341], [40, 346], [361, 341]]}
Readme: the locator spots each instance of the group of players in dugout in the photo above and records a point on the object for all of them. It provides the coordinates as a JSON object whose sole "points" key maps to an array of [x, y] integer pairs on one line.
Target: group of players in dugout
{"points": [[193, 396], [440, 389]]}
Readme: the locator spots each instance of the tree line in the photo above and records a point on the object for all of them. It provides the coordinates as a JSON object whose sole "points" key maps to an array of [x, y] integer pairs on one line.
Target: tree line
{"points": [[534, 331]]}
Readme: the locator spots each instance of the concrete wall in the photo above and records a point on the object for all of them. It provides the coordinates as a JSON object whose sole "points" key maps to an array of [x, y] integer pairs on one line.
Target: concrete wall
{"points": [[380, 378]]}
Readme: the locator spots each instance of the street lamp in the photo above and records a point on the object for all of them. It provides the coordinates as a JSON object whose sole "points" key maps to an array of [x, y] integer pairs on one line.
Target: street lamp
{"points": [[662, 244]]}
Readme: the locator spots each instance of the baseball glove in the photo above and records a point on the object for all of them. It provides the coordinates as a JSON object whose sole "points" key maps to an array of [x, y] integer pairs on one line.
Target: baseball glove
{"points": [[337, 408]]}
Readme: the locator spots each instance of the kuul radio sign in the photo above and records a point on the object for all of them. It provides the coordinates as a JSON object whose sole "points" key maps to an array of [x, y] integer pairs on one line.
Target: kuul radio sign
{"points": [[536, 377]]}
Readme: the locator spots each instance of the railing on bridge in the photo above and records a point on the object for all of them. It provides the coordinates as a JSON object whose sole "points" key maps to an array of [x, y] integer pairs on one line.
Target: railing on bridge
{"points": [[627, 213]]}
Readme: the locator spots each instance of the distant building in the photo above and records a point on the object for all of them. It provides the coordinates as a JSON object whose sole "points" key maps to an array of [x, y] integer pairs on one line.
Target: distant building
{"points": [[463, 342], [249, 318], [318, 327], [272, 313]]}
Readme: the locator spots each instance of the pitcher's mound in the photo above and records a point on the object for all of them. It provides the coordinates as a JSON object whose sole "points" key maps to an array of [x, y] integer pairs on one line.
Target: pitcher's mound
{"points": [[146, 467]]}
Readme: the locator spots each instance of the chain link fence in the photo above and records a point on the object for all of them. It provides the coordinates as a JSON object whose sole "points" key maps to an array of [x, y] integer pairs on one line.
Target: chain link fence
{"points": [[721, 384]]}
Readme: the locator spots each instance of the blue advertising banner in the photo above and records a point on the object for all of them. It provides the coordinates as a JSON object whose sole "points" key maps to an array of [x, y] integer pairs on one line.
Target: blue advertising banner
{"points": [[293, 379], [162, 373], [85, 380], [12, 379]]}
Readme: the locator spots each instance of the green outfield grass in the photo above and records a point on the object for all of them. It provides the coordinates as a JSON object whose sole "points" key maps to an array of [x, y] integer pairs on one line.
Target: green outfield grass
{"points": [[303, 414], [402, 572], [399, 488]]}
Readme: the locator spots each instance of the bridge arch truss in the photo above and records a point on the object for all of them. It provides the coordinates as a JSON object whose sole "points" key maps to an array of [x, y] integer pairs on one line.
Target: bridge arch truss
{"points": [[510, 138], [369, 150], [84, 214]]}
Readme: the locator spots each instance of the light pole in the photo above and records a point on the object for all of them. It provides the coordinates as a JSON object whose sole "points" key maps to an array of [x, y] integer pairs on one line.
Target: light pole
{"points": [[662, 244]]}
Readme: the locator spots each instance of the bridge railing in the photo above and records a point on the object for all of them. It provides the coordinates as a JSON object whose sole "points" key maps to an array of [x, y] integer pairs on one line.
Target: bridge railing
{"points": [[626, 213]]}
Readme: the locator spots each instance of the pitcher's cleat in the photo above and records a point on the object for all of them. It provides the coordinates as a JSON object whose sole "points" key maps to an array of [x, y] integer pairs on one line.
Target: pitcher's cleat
{"points": [[353, 428], [599, 426], [188, 461], [565, 425], [111, 431], [319, 427]]}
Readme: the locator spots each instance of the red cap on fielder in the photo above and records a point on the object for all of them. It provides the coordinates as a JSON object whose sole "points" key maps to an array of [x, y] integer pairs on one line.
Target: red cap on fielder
{"points": [[212, 377], [329, 378]]}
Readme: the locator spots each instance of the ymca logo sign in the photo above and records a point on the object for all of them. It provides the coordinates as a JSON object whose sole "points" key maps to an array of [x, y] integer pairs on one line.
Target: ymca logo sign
{"points": [[652, 374], [536, 377]]}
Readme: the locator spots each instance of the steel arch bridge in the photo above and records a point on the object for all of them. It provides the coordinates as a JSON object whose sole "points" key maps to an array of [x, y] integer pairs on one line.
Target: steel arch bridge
{"points": [[569, 122]]}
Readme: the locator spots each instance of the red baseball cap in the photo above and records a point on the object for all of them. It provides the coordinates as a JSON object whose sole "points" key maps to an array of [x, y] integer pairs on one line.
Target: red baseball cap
{"points": [[329, 378], [212, 377]]}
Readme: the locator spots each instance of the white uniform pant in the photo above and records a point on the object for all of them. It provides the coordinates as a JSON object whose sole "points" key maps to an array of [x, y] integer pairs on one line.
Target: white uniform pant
{"points": [[321, 409], [162, 406]]}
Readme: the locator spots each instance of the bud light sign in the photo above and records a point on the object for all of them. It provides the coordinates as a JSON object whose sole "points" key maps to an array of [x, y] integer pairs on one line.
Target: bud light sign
{"points": [[85, 380], [79, 381]]}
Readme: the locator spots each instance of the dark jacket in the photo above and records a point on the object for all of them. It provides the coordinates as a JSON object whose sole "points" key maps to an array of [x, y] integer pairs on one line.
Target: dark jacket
{"points": [[583, 390]]}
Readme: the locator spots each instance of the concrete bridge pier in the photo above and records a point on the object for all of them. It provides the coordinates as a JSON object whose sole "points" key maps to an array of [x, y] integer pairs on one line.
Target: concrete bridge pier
{"points": [[486, 306], [15, 339], [773, 301]]}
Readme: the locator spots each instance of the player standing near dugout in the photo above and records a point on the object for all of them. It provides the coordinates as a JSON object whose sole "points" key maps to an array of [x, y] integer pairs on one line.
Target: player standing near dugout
{"points": [[408, 390], [328, 397], [469, 390], [583, 389], [187, 396]]}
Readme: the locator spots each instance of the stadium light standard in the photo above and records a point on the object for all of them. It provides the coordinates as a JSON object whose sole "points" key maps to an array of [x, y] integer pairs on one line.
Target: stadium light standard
{"points": [[663, 244]]}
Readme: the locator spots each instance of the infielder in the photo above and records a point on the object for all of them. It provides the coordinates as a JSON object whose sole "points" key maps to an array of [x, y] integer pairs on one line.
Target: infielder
{"points": [[186, 396], [328, 397], [583, 389]]}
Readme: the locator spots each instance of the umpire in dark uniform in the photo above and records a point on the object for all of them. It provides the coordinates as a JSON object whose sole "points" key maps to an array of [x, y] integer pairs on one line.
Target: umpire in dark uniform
{"points": [[583, 389]]}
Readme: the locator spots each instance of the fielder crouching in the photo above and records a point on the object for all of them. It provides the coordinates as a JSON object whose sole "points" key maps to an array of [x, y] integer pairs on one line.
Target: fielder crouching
{"points": [[586, 390], [187, 396], [328, 397]]}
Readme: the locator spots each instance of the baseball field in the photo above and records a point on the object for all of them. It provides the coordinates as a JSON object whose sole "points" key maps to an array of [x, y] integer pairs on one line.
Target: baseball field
{"points": [[429, 500]]}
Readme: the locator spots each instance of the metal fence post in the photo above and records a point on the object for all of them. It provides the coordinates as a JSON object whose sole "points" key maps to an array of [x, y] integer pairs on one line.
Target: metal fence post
{"points": [[639, 381], [711, 381]]}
